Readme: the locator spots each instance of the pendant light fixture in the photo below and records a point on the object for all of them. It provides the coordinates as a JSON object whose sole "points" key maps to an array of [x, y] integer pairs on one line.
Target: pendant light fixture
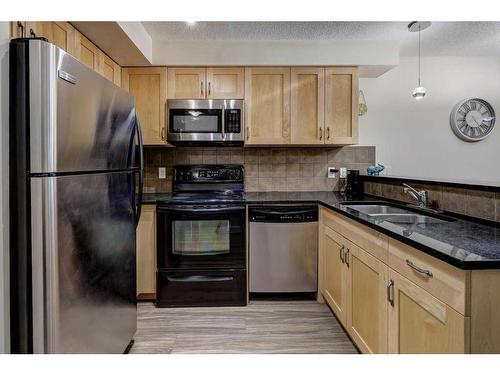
{"points": [[418, 26]]}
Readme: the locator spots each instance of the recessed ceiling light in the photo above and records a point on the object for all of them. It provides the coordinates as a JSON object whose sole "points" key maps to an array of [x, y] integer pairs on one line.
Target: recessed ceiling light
{"points": [[191, 23]]}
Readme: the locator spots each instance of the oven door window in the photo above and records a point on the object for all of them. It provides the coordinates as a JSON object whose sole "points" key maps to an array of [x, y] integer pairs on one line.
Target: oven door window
{"points": [[195, 120], [200, 237]]}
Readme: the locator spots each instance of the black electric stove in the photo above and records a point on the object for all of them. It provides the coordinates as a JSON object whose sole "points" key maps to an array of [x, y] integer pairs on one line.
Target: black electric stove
{"points": [[201, 252]]}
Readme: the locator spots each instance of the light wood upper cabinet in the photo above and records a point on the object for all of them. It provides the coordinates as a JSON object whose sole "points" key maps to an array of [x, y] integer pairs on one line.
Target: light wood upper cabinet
{"points": [[334, 273], [341, 105], [206, 83], [62, 34], [146, 252], [111, 70], [419, 323], [225, 83], [187, 83], [149, 87], [88, 53], [367, 313], [307, 106], [267, 103]]}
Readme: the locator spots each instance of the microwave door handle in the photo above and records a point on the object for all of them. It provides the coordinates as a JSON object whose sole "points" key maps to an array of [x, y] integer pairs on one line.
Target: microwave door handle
{"points": [[223, 115]]}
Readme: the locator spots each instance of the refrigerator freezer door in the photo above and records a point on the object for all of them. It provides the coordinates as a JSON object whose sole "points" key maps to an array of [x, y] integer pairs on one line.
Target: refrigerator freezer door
{"points": [[83, 261], [79, 121]]}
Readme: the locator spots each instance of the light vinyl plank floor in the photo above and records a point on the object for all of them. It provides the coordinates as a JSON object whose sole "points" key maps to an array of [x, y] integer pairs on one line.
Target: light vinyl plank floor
{"points": [[293, 327]]}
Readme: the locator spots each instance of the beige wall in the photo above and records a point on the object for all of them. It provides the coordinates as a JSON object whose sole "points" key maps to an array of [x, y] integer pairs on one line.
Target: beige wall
{"points": [[266, 169]]}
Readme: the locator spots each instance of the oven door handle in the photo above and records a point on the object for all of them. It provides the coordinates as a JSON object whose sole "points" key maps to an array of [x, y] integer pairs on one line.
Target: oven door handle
{"points": [[201, 210], [198, 279]]}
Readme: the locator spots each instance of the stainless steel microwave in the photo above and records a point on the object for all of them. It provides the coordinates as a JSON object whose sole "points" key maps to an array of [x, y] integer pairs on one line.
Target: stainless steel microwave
{"points": [[205, 122]]}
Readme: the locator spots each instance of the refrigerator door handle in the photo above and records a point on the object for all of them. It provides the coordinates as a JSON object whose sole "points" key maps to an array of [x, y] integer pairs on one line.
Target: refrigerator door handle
{"points": [[138, 195]]}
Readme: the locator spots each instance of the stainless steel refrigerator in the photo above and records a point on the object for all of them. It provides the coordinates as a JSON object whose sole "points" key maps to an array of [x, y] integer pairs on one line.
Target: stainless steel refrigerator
{"points": [[76, 172]]}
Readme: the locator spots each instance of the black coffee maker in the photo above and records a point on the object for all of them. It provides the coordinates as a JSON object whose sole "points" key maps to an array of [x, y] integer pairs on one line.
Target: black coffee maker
{"points": [[353, 184]]}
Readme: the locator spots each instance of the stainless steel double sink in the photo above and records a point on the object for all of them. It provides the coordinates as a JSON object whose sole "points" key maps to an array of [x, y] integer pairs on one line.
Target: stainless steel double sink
{"points": [[396, 214]]}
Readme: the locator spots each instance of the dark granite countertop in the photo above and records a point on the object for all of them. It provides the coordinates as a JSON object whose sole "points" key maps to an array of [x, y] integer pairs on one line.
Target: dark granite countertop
{"points": [[462, 243]]}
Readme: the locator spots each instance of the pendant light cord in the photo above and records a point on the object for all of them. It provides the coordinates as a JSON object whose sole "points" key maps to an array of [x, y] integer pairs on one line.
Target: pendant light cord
{"points": [[419, 55]]}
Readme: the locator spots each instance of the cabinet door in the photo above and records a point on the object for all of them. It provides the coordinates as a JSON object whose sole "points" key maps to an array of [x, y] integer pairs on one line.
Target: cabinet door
{"points": [[367, 296], [267, 101], [146, 252], [307, 106], [420, 323], [149, 87], [111, 70], [186, 83], [225, 83], [63, 35], [341, 105], [88, 53], [334, 273]]}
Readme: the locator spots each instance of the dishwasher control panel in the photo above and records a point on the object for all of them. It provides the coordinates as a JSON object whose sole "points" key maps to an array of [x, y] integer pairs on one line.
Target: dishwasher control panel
{"points": [[283, 214]]}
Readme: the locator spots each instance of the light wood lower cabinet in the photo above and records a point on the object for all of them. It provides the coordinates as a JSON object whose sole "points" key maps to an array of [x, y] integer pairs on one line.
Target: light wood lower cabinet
{"points": [[149, 88], [419, 323], [392, 298], [366, 318], [335, 280], [146, 253]]}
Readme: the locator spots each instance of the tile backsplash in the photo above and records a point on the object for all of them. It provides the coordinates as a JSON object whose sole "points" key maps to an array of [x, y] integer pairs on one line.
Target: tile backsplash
{"points": [[266, 169], [466, 201]]}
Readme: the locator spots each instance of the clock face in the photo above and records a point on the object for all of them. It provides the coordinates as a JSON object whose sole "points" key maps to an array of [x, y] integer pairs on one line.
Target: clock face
{"points": [[472, 119]]}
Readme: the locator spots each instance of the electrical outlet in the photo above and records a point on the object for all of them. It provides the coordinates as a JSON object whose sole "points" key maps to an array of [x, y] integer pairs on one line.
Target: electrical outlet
{"points": [[343, 172], [332, 172], [162, 173]]}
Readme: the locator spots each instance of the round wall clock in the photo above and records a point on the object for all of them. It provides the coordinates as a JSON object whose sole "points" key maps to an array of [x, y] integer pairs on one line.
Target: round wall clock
{"points": [[472, 119]]}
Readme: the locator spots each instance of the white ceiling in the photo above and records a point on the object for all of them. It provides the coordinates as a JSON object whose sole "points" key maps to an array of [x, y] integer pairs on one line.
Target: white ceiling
{"points": [[441, 39]]}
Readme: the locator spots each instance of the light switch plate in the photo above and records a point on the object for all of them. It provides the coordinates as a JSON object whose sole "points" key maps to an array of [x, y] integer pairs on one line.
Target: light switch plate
{"points": [[162, 172], [332, 172], [343, 172]]}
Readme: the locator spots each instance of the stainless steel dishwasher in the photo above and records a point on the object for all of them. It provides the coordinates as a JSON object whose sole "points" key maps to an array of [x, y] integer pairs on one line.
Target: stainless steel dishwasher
{"points": [[283, 254]]}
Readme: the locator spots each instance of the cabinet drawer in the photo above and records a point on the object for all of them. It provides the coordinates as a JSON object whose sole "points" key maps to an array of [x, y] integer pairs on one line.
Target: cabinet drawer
{"points": [[368, 239], [445, 282]]}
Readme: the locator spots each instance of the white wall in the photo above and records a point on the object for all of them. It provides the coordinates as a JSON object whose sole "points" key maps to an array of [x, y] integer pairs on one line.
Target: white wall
{"points": [[414, 137], [4, 183], [373, 57]]}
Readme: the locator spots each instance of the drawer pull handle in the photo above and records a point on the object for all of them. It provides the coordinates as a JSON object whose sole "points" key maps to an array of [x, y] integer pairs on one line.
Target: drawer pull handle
{"points": [[390, 292], [320, 133], [341, 252], [198, 279], [347, 258], [418, 269]]}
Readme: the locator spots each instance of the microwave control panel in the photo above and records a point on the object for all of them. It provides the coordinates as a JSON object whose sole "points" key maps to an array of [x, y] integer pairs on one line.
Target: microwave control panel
{"points": [[232, 120]]}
